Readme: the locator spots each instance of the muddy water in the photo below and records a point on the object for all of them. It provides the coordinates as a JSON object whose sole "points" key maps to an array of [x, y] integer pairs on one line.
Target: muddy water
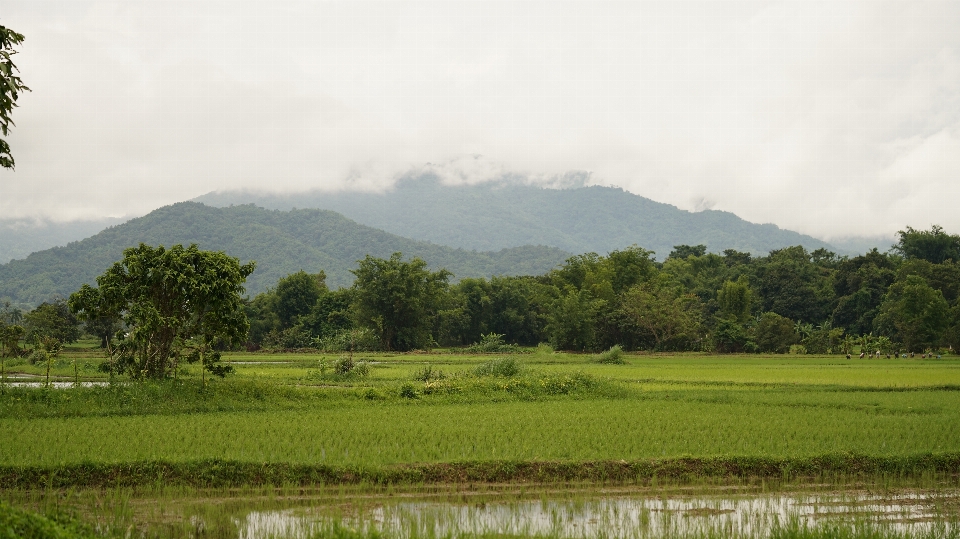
{"points": [[909, 512]]}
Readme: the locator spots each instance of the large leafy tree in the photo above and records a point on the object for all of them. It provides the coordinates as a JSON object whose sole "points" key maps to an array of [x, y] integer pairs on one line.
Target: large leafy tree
{"points": [[399, 300], [10, 336], [791, 285], [934, 245], [735, 300], [515, 307], [685, 251], [668, 315], [170, 300], [297, 294], [859, 284], [52, 320], [10, 89], [774, 333], [913, 313], [571, 322]]}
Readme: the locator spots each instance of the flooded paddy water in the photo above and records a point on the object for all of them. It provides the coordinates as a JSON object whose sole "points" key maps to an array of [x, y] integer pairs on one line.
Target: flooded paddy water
{"points": [[564, 511]]}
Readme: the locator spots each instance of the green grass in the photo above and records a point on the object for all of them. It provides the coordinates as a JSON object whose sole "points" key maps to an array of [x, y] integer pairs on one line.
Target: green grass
{"points": [[544, 407], [16, 523], [667, 424], [537, 416]]}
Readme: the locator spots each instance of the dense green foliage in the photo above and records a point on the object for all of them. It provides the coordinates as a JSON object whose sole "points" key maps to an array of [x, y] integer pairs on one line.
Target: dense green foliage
{"points": [[399, 300], [701, 302], [17, 523], [510, 213], [281, 242], [11, 86], [53, 320], [169, 300], [789, 300]]}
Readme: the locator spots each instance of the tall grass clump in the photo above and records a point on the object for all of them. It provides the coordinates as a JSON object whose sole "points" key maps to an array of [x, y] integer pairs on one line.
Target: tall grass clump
{"points": [[342, 369], [613, 356], [504, 367], [427, 373]]}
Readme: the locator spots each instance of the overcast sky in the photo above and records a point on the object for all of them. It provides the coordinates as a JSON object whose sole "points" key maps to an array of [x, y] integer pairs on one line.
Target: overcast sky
{"points": [[832, 119]]}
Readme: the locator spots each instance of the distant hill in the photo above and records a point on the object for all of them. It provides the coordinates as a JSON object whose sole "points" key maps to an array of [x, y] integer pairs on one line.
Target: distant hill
{"points": [[505, 214], [19, 238], [282, 242]]}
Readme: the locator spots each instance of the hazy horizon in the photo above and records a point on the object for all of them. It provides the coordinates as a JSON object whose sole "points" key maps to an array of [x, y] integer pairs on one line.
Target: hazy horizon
{"points": [[838, 119]]}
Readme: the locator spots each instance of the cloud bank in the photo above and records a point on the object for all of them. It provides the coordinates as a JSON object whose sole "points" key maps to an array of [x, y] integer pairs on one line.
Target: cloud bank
{"points": [[832, 119]]}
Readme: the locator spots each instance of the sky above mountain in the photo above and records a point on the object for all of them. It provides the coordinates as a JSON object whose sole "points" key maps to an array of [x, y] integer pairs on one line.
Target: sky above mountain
{"points": [[832, 119]]}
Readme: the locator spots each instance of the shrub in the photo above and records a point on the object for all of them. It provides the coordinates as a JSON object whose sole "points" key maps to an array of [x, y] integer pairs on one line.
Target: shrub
{"points": [[358, 340], [613, 356], [293, 337], [492, 343], [407, 391], [426, 374], [503, 367], [343, 365], [344, 368]]}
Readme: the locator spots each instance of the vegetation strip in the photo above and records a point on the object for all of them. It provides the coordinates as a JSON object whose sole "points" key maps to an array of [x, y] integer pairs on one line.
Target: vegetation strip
{"points": [[226, 473]]}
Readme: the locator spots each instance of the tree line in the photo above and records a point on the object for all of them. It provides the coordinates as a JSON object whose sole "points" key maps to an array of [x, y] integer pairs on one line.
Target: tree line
{"points": [[161, 306], [905, 300]]}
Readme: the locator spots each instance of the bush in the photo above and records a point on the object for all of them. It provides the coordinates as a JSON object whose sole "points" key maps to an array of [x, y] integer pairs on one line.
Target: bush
{"points": [[294, 337], [503, 367], [407, 391], [544, 348], [426, 374], [344, 368], [613, 356], [15, 522], [492, 343]]}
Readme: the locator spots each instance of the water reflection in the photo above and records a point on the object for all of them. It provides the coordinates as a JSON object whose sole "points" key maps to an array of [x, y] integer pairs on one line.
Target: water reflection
{"points": [[56, 385], [747, 516]]}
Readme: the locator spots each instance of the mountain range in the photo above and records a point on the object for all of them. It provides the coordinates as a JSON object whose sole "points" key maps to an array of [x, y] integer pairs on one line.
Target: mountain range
{"points": [[503, 227], [503, 214], [281, 242]]}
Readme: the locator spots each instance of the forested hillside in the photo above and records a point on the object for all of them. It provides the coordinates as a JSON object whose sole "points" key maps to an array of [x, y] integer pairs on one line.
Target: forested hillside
{"points": [[505, 214], [281, 242]]}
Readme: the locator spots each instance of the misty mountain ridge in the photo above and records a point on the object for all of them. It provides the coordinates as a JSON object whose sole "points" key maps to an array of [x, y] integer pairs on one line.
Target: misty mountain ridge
{"points": [[19, 238], [281, 242], [509, 213]]}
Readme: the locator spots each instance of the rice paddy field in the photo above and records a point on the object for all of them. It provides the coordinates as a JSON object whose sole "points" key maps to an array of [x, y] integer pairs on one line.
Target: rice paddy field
{"points": [[533, 444]]}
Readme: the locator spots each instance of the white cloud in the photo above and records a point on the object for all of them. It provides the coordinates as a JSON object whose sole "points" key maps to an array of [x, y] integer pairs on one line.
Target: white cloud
{"points": [[833, 118]]}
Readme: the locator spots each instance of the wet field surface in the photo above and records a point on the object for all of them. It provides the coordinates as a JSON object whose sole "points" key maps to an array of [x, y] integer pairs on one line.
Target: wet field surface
{"points": [[561, 511]]}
